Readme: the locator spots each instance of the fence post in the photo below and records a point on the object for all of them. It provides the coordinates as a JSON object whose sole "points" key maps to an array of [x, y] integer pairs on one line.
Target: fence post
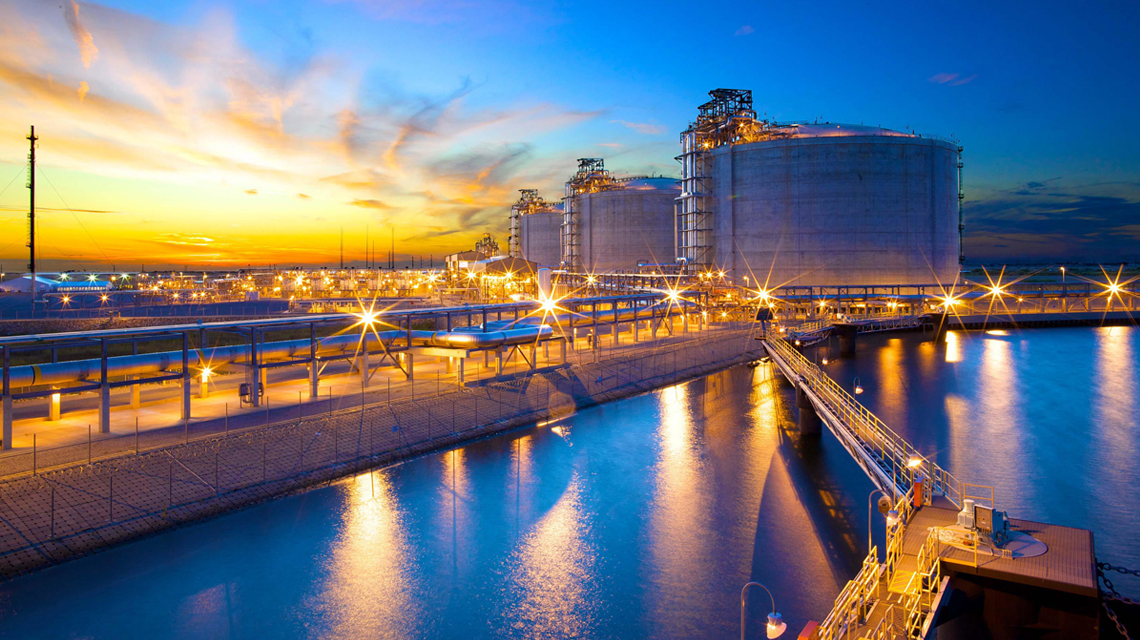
{"points": [[33, 454], [264, 445], [217, 483], [227, 423], [111, 499], [136, 435], [53, 512], [89, 445], [186, 431], [170, 484]]}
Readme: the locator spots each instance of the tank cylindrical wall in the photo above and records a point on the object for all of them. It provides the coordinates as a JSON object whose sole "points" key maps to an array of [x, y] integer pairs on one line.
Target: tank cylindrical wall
{"points": [[620, 229], [540, 238], [837, 210]]}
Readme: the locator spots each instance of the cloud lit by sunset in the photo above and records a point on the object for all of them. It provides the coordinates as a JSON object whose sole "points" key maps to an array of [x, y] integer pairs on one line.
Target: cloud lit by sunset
{"points": [[262, 130]]}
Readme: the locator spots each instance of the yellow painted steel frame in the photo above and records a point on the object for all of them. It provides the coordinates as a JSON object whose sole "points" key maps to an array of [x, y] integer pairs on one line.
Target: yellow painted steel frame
{"points": [[854, 601]]}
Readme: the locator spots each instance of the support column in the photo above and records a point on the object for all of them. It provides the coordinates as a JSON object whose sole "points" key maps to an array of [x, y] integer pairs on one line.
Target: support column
{"points": [[459, 371], [203, 385], [410, 365], [809, 422], [562, 343], [615, 329], [254, 371], [362, 364], [450, 364], [54, 406], [6, 406], [105, 390], [533, 357], [499, 362], [314, 366], [847, 333], [185, 375], [136, 389]]}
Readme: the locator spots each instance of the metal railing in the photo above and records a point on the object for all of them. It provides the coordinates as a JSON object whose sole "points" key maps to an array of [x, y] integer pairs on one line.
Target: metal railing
{"points": [[854, 601], [895, 457]]}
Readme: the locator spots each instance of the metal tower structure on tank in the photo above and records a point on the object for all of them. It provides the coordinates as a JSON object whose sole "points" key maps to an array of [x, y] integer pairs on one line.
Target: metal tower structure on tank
{"points": [[529, 202], [727, 119], [591, 177]]}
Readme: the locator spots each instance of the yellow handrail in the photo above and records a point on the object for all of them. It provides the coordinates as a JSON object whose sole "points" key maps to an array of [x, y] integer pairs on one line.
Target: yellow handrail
{"points": [[896, 456], [853, 602]]}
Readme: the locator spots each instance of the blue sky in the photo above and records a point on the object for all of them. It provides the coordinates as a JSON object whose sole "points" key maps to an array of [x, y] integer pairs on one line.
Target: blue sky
{"points": [[428, 116]]}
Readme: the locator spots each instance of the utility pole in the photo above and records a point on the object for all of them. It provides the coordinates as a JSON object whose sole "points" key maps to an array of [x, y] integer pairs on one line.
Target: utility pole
{"points": [[32, 209]]}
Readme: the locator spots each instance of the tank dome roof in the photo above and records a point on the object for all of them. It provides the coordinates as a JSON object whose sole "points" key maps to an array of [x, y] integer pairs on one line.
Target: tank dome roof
{"points": [[839, 130], [649, 184]]}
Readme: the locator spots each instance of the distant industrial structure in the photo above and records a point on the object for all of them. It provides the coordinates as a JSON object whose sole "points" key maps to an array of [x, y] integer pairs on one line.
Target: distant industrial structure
{"points": [[766, 203], [605, 224]]}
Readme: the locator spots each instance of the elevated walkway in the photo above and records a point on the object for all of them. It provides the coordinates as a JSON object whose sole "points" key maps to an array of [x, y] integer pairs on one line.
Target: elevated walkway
{"points": [[902, 597]]}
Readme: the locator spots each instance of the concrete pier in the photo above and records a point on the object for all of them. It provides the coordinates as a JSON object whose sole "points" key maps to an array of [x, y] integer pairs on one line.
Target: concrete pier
{"points": [[809, 422], [846, 334]]}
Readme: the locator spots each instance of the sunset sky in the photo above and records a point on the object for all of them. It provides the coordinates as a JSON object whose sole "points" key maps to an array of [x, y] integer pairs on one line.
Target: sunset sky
{"points": [[188, 133]]}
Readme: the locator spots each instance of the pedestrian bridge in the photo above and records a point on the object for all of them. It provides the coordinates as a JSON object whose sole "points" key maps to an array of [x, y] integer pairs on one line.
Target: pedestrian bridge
{"points": [[901, 597]]}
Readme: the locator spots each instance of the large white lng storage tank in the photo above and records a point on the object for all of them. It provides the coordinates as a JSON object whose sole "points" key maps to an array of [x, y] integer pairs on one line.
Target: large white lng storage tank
{"points": [[535, 225], [616, 224], [815, 204]]}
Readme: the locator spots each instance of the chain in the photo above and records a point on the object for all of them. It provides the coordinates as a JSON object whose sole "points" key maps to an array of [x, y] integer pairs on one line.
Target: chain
{"points": [[1111, 593], [1101, 567], [1112, 616]]}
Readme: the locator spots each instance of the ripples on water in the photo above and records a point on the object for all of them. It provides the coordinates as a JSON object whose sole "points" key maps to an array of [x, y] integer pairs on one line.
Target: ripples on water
{"points": [[641, 518], [1049, 417]]}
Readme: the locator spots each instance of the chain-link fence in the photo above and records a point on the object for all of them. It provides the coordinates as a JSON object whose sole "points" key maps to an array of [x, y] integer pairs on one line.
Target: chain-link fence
{"points": [[49, 517]]}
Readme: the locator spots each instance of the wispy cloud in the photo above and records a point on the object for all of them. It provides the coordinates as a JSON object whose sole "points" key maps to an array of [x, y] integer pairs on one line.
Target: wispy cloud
{"points": [[88, 52], [192, 106], [745, 30], [642, 127], [370, 204], [952, 79], [1053, 219]]}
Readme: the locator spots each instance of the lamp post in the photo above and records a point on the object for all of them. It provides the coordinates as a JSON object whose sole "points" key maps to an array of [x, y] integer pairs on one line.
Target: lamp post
{"points": [[858, 386], [892, 516], [776, 624]]}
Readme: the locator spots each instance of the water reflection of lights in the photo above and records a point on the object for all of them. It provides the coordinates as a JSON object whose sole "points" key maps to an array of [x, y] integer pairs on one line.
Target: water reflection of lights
{"points": [[953, 349], [368, 581], [997, 332], [680, 523], [553, 586], [1115, 386]]}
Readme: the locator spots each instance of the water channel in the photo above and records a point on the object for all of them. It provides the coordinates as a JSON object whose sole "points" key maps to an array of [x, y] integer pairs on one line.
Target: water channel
{"points": [[641, 518]]}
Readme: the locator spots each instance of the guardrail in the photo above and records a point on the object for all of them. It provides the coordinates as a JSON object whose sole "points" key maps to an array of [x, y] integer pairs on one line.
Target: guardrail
{"points": [[853, 602], [897, 459]]}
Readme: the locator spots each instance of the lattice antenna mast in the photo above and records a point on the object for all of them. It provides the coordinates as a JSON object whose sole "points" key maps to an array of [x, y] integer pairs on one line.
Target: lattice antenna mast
{"points": [[32, 138]]}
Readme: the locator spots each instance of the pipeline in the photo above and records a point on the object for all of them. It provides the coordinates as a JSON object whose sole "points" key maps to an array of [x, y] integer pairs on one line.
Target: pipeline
{"points": [[494, 334], [81, 370]]}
